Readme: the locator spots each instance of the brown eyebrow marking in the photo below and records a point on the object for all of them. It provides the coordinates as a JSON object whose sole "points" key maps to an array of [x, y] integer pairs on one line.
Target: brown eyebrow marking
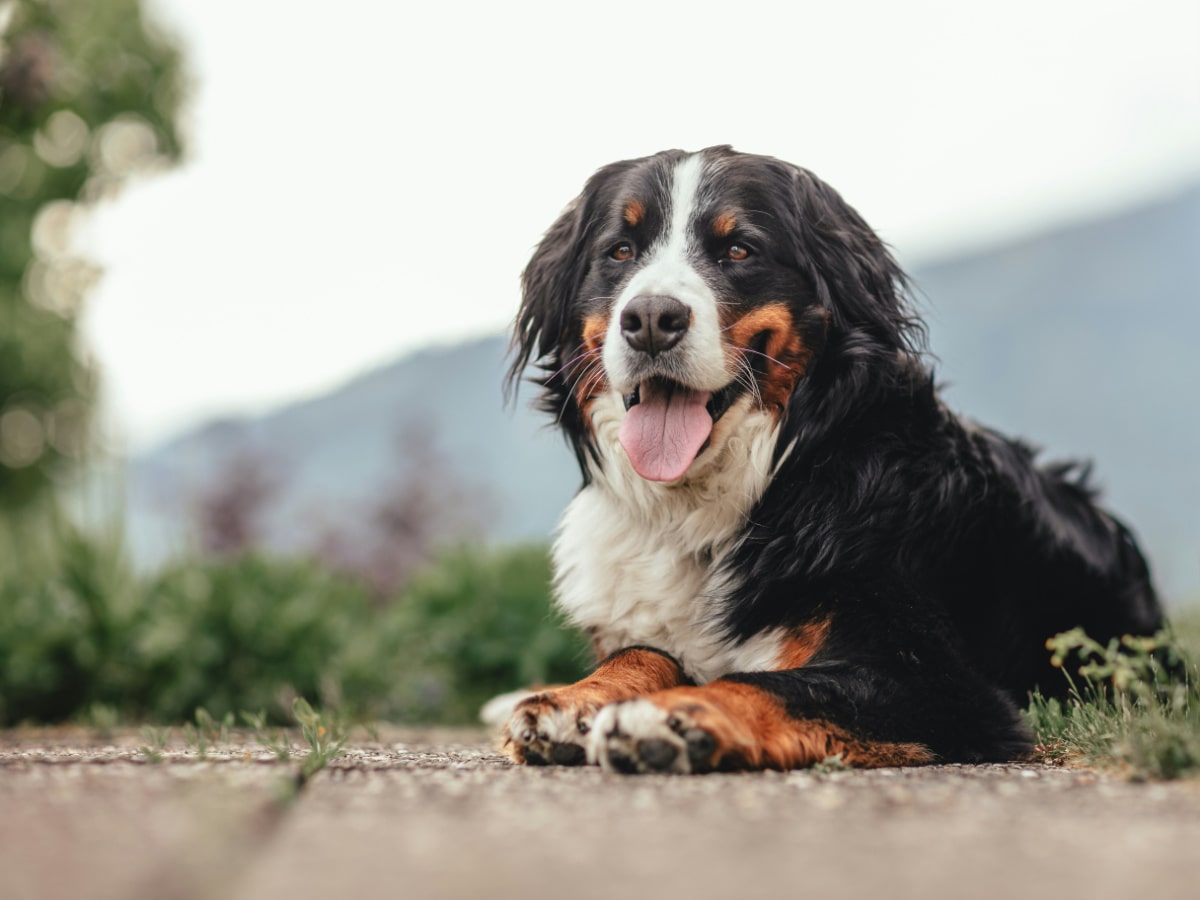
{"points": [[724, 224], [634, 212]]}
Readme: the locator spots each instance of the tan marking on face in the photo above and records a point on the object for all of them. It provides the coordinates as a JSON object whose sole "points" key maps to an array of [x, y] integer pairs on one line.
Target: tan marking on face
{"points": [[634, 213], [752, 730], [802, 644], [786, 357], [594, 329], [633, 673], [587, 373], [724, 224]]}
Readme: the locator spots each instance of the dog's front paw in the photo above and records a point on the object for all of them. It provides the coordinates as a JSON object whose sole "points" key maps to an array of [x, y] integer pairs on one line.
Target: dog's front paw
{"points": [[550, 728], [640, 736]]}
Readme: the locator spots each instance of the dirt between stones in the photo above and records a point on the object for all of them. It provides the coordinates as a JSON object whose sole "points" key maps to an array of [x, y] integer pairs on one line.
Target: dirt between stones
{"points": [[441, 814]]}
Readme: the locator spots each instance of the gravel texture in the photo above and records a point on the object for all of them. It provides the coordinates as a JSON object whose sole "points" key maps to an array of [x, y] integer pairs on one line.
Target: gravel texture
{"points": [[420, 814]]}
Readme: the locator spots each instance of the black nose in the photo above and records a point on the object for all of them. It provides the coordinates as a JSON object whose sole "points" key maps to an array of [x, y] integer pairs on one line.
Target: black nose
{"points": [[654, 324]]}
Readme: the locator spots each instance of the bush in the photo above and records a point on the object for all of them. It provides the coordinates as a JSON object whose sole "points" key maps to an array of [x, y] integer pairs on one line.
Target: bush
{"points": [[254, 633], [78, 631], [66, 617], [478, 624]]}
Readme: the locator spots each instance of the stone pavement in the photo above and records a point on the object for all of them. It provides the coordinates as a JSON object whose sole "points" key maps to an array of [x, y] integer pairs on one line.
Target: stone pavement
{"points": [[439, 814]]}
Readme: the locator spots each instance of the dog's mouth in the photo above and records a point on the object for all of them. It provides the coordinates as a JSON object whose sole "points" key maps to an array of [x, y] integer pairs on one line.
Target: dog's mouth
{"points": [[667, 425]]}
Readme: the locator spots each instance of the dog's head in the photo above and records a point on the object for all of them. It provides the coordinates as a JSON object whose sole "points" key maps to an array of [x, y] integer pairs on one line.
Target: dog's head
{"points": [[695, 289]]}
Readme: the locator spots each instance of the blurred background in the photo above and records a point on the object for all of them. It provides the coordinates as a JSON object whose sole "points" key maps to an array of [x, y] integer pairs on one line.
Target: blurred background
{"points": [[258, 259]]}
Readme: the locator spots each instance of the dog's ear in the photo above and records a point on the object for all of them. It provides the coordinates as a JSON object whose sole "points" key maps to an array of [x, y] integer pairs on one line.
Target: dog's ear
{"points": [[854, 274], [550, 283]]}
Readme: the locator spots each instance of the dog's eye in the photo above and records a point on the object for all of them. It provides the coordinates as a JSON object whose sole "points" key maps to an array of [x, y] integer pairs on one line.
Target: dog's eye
{"points": [[622, 252], [737, 252]]}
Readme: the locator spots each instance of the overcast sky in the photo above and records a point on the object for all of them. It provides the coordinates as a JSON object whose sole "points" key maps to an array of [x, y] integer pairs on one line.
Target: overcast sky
{"points": [[365, 181]]}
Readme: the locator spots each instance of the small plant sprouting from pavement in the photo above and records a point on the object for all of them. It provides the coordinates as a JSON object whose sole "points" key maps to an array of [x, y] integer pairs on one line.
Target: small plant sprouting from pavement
{"points": [[325, 737], [207, 732], [324, 733], [1135, 706], [277, 740], [155, 743], [829, 765]]}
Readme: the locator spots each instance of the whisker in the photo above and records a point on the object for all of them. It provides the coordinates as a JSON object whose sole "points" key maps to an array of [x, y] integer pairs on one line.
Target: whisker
{"points": [[764, 355], [571, 387], [571, 362], [583, 373], [594, 371], [745, 377], [594, 381]]}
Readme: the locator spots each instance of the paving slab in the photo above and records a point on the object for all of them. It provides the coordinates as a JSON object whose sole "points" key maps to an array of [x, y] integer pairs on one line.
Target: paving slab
{"points": [[438, 818], [84, 817], [440, 814]]}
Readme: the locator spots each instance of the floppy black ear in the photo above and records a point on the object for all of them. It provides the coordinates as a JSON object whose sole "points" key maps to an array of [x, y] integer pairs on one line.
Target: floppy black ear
{"points": [[853, 272], [547, 323], [548, 285]]}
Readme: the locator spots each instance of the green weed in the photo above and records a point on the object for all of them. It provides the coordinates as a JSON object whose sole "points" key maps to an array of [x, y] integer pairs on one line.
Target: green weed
{"points": [[277, 740], [324, 735], [830, 765], [207, 732], [155, 743], [1134, 706]]}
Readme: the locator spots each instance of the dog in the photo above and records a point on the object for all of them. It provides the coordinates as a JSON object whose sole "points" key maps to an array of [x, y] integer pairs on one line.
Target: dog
{"points": [[786, 548]]}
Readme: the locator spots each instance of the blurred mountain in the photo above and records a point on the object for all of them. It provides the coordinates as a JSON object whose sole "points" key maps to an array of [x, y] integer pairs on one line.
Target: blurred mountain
{"points": [[437, 416], [1080, 339]]}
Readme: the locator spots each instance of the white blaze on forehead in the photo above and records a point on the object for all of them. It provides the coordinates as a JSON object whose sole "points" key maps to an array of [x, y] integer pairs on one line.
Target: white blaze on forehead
{"points": [[685, 194], [668, 271]]}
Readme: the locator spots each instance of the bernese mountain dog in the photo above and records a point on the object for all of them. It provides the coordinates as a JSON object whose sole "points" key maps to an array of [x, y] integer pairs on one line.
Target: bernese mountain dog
{"points": [[786, 548]]}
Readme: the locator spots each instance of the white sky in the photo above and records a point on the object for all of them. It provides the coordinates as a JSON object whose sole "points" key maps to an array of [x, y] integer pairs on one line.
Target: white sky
{"points": [[365, 181]]}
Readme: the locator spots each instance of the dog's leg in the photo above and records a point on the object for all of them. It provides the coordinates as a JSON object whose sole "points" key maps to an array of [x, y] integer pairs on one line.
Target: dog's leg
{"points": [[552, 727], [794, 718], [725, 726]]}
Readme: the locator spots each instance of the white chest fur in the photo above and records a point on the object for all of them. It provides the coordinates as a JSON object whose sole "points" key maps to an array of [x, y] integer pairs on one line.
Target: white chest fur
{"points": [[638, 562]]}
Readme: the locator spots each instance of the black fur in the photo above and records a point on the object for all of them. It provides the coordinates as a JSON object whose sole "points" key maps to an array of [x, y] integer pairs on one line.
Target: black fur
{"points": [[942, 555]]}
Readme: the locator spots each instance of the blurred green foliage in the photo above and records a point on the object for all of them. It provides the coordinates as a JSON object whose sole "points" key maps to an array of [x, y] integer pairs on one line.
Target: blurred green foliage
{"points": [[478, 623], [79, 631], [88, 98]]}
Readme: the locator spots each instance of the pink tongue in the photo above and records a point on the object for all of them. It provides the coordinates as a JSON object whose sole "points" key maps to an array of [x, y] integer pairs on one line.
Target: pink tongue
{"points": [[663, 433]]}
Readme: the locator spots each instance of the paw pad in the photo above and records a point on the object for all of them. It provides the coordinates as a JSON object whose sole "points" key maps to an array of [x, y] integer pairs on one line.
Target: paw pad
{"points": [[638, 736]]}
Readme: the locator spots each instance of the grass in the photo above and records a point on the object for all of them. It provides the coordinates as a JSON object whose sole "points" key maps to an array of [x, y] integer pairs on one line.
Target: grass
{"points": [[278, 741], [155, 743], [325, 735], [207, 732], [1134, 705]]}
